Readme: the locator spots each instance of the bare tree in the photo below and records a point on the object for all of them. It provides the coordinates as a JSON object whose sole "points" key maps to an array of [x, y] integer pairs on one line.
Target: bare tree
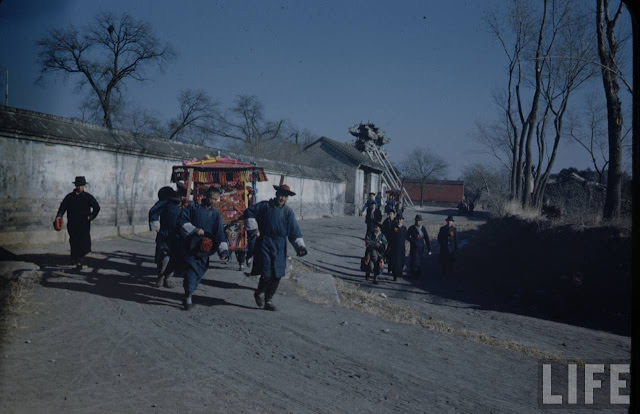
{"points": [[608, 47], [589, 131], [246, 124], [140, 121], [104, 55], [421, 165], [549, 56], [197, 115], [480, 179]]}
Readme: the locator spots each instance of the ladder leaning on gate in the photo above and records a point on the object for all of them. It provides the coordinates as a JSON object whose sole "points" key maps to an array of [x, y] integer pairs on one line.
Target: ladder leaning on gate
{"points": [[369, 140]]}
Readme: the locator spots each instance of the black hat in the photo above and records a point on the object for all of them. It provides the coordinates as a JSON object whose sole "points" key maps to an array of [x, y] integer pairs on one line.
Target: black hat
{"points": [[391, 211], [418, 217], [378, 224], [167, 193], [372, 194], [284, 189], [80, 181], [449, 218]]}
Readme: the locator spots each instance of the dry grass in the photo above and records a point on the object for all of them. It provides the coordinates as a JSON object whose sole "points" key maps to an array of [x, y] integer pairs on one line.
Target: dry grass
{"points": [[14, 297], [354, 298]]}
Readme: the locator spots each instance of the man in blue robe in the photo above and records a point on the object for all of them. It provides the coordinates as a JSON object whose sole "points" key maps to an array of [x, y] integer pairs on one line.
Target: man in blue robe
{"points": [[276, 223], [202, 233], [163, 217]]}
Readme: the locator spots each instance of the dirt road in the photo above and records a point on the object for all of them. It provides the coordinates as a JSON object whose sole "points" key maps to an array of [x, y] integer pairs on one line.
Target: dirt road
{"points": [[105, 340]]}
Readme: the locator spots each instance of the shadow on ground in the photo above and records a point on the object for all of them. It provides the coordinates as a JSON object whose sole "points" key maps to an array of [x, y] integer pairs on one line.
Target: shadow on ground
{"points": [[120, 275], [472, 290]]}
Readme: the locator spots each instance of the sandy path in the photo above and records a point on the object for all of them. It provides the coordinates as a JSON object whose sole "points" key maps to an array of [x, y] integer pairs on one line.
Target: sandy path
{"points": [[105, 340]]}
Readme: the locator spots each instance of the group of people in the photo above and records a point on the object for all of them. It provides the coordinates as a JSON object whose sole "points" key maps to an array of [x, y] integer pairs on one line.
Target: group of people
{"points": [[386, 242], [189, 233]]}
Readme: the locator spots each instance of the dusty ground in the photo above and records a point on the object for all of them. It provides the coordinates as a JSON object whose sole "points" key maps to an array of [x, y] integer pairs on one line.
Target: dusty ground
{"points": [[106, 340]]}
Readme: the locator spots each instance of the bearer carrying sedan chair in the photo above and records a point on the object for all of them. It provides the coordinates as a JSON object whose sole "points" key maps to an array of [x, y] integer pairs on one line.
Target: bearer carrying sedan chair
{"points": [[236, 184]]}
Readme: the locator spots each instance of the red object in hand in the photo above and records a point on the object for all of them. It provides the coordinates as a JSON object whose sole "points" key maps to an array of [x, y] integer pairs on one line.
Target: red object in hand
{"points": [[58, 223], [451, 233], [206, 244]]}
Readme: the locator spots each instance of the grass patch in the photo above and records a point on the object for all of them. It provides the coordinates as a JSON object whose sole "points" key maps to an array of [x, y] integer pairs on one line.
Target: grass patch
{"points": [[354, 298]]}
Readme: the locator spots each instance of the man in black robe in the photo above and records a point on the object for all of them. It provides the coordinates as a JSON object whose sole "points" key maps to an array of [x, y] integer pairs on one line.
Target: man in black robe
{"points": [[369, 218], [81, 208], [387, 228], [397, 238], [448, 241], [420, 246]]}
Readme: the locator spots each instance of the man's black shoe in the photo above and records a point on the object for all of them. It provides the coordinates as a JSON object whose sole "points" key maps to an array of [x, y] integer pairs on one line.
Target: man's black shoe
{"points": [[269, 306], [258, 298]]}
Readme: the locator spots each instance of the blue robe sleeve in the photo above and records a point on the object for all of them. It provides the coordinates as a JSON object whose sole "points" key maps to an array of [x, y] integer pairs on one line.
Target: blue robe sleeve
{"points": [[251, 215], [293, 230], [154, 215], [184, 221]]}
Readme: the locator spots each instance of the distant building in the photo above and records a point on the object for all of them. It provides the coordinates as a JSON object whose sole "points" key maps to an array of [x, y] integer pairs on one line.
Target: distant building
{"points": [[435, 191], [359, 172]]}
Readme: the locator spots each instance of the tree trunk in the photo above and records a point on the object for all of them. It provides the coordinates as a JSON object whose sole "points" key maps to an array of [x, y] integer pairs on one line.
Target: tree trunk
{"points": [[607, 54]]}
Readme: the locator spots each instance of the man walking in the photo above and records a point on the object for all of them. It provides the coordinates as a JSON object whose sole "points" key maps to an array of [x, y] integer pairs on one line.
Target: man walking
{"points": [[163, 218], [399, 235], [202, 235], [369, 218], [387, 228], [81, 208], [448, 241], [275, 223], [420, 246], [376, 248]]}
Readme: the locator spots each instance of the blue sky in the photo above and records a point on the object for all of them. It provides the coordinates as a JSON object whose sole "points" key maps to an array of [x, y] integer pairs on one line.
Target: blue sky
{"points": [[424, 71]]}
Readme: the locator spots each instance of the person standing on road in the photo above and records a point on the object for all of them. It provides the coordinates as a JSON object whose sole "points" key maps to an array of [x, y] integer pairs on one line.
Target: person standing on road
{"points": [[81, 208], [420, 246], [399, 235], [202, 234], [275, 223], [369, 218], [448, 241], [163, 218], [376, 248], [387, 229]]}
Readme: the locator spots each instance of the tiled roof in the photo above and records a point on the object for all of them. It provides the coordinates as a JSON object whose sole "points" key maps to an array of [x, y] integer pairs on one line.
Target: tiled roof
{"points": [[357, 157], [25, 124]]}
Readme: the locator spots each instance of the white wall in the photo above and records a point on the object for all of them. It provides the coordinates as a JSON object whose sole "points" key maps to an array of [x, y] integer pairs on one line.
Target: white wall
{"points": [[313, 199], [35, 176]]}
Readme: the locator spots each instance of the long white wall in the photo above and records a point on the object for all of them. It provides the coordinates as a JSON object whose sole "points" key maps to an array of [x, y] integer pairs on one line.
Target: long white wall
{"points": [[36, 175]]}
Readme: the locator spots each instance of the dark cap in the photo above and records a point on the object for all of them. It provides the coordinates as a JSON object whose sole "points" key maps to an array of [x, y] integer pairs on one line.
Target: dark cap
{"points": [[167, 193], [283, 189], [418, 217], [449, 218], [80, 181]]}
